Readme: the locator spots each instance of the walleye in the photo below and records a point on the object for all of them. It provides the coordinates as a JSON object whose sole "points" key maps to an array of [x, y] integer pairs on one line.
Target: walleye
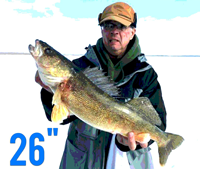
{"points": [[88, 95]]}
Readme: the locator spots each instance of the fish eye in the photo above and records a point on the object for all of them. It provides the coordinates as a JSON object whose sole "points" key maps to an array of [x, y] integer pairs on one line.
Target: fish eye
{"points": [[47, 50]]}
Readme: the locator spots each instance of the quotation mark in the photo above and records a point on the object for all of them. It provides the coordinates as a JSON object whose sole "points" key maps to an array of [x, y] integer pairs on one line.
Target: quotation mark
{"points": [[32, 148], [55, 131]]}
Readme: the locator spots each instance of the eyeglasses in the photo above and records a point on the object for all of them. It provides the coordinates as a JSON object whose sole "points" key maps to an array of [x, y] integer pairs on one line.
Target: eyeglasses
{"points": [[110, 26]]}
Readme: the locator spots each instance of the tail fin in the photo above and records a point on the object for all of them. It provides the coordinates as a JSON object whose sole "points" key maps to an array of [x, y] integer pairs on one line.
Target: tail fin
{"points": [[173, 143]]}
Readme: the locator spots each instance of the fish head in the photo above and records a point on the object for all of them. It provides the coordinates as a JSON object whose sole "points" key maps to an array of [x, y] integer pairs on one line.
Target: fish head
{"points": [[44, 55]]}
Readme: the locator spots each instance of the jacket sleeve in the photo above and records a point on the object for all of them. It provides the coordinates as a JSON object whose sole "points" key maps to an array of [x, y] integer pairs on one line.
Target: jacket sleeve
{"points": [[151, 89]]}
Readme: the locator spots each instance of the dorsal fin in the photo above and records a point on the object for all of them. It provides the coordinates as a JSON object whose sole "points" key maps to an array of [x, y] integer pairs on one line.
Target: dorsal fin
{"points": [[145, 110], [103, 82]]}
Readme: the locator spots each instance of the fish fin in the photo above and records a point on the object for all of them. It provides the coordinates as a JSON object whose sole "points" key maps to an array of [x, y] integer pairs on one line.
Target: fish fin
{"points": [[57, 97], [60, 111], [103, 82], [164, 150], [145, 110]]}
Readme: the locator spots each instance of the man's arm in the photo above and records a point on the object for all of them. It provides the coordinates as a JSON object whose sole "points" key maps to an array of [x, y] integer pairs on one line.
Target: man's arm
{"points": [[152, 90]]}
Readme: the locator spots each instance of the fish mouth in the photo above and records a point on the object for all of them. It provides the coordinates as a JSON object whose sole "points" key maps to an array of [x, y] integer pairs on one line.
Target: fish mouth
{"points": [[36, 51]]}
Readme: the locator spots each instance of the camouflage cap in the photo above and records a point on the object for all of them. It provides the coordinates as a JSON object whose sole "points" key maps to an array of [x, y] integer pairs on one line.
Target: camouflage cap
{"points": [[120, 12]]}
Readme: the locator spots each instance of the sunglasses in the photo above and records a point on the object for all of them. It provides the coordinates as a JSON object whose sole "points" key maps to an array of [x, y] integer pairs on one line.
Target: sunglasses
{"points": [[110, 26]]}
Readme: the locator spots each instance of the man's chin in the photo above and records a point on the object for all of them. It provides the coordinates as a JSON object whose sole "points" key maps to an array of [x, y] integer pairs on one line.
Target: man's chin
{"points": [[114, 47]]}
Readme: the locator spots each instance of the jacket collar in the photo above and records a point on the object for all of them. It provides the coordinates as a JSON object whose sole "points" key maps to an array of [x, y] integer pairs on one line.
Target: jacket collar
{"points": [[115, 70]]}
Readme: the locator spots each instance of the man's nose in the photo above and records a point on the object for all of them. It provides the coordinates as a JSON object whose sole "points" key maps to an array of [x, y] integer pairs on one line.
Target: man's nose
{"points": [[115, 30]]}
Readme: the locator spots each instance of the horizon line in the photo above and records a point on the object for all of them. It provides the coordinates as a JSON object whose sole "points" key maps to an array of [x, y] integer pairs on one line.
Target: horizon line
{"points": [[25, 53]]}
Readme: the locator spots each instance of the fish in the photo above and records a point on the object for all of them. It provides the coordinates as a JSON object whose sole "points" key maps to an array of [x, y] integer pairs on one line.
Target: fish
{"points": [[91, 96]]}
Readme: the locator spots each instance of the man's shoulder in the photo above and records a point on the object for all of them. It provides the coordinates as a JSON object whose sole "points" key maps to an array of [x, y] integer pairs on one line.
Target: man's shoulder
{"points": [[142, 69], [83, 61], [139, 64]]}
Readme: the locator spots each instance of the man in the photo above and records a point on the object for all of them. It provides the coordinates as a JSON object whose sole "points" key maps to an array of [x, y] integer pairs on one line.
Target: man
{"points": [[118, 53]]}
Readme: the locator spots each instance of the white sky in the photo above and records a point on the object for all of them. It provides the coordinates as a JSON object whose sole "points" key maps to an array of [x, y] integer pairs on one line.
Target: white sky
{"points": [[178, 36]]}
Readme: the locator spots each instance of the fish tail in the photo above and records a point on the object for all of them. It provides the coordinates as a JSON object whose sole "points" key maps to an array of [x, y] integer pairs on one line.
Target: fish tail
{"points": [[172, 143]]}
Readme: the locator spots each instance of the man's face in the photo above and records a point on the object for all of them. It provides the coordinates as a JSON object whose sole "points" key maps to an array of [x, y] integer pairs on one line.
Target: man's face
{"points": [[116, 37]]}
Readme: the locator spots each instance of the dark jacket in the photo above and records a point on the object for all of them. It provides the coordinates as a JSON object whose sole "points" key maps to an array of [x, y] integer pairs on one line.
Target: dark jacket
{"points": [[87, 147]]}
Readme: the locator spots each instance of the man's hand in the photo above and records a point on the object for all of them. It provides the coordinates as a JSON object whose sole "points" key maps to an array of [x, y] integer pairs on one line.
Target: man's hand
{"points": [[144, 138]]}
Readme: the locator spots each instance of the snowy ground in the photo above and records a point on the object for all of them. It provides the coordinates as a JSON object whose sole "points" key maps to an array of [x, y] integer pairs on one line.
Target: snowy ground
{"points": [[22, 111]]}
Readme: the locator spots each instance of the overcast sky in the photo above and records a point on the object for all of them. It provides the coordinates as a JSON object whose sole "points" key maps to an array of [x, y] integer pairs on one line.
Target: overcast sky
{"points": [[164, 26]]}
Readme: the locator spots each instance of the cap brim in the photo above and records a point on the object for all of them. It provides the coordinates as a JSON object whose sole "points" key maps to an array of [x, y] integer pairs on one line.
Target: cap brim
{"points": [[118, 19]]}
